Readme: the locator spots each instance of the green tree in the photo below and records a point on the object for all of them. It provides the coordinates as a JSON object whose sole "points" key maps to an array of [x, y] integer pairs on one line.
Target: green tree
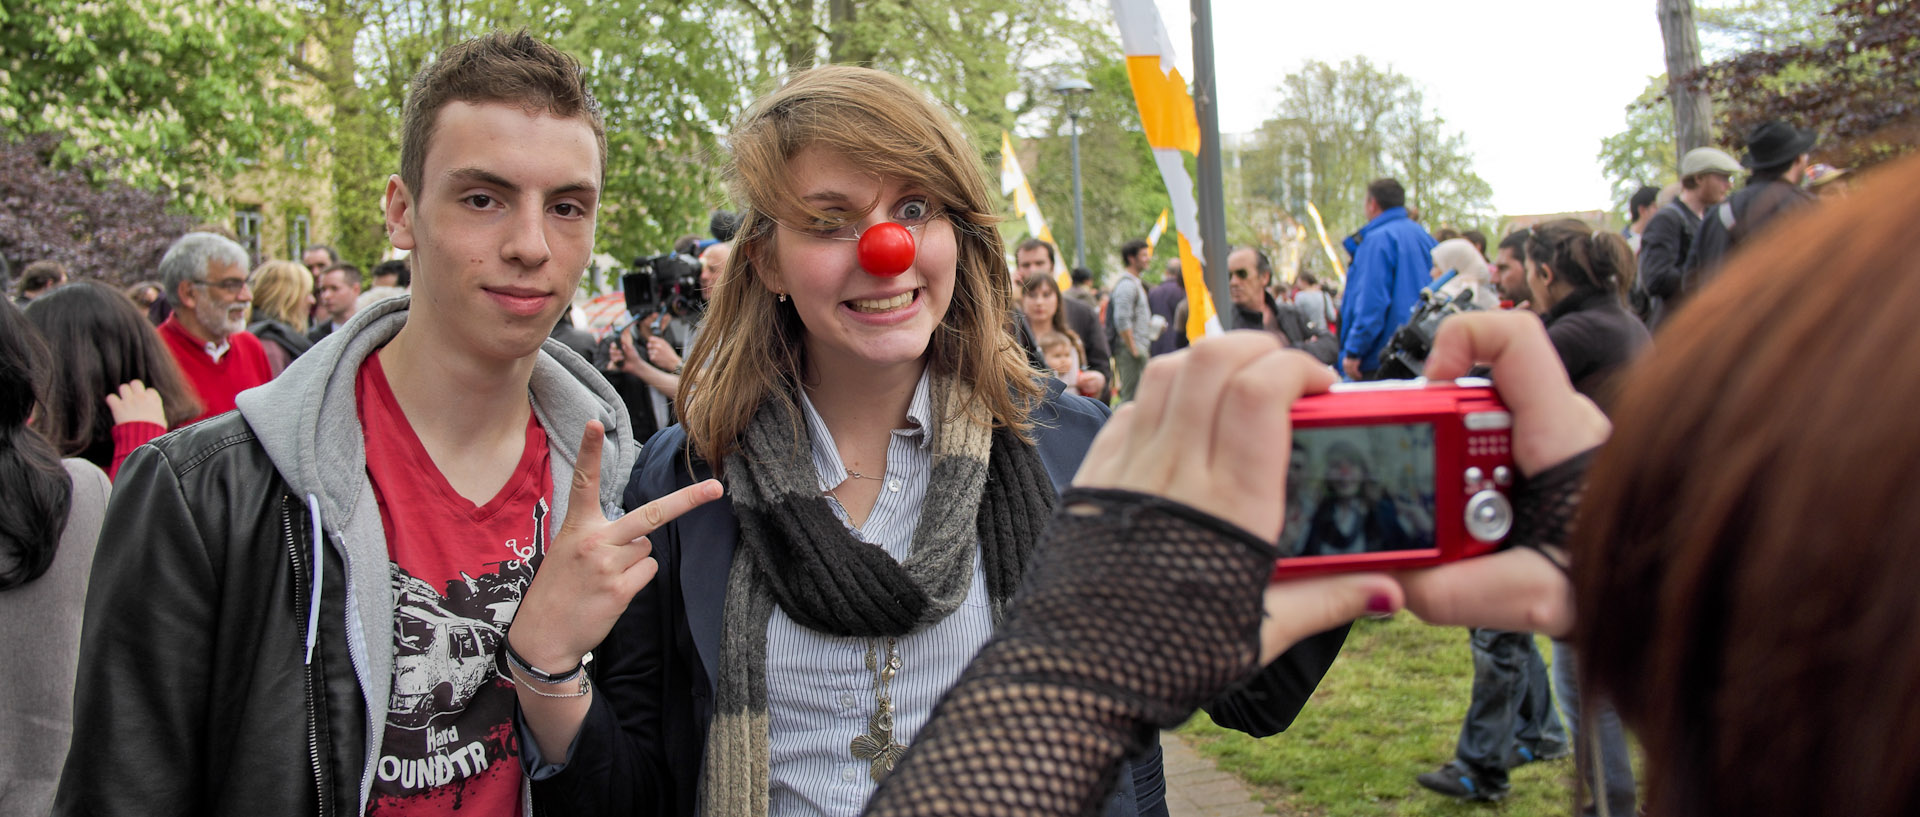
{"points": [[1734, 26], [1643, 152], [665, 81], [1852, 82], [161, 92], [1340, 127], [1122, 189], [972, 55]]}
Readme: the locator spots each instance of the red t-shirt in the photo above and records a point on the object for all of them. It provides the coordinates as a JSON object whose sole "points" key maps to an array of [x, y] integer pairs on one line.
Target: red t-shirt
{"points": [[241, 367], [458, 574]]}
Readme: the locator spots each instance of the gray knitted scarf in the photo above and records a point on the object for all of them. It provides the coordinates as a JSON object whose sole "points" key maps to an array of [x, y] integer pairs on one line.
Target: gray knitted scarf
{"points": [[987, 487]]}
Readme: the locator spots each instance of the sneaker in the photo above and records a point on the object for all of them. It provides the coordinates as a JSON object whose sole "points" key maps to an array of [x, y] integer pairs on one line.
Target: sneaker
{"points": [[1455, 780], [1523, 755]]}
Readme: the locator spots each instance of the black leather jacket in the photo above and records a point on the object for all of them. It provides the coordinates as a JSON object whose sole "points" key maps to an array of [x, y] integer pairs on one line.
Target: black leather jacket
{"points": [[154, 734]]}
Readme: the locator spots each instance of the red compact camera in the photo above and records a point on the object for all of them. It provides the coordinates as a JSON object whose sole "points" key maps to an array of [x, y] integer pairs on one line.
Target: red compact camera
{"points": [[1396, 475]]}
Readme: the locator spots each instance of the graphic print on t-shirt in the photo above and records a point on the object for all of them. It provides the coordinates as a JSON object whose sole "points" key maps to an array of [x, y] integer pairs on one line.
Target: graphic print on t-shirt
{"points": [[450, 714], [458, 571]]}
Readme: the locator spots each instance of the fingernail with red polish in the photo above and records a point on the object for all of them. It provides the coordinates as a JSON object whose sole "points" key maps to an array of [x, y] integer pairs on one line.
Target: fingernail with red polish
{"points": [[1380, 604]]}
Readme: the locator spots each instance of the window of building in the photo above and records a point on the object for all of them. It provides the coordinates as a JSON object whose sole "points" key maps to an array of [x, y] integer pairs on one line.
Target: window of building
{"points": [[246, 227], [299, 234]]}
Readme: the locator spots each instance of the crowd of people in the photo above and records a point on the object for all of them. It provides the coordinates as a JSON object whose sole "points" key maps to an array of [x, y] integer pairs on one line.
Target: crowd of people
{"points": [[948, 538]]}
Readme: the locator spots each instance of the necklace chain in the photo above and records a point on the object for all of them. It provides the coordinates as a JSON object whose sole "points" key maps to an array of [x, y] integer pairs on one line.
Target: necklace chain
{"points": [[877, 744]]}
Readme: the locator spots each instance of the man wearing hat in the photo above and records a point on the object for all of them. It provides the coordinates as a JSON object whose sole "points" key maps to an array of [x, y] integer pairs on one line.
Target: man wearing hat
{"points": [[1777, 155], [1706, 175]]}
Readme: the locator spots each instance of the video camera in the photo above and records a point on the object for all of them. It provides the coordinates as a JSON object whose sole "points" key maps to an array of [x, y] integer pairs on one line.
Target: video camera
{"points": [[1422, 470], [664, 284], [1406, 354]]}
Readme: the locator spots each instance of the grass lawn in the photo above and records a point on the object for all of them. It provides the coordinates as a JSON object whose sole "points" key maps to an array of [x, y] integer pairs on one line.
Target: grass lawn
{"points": [[1388, 710]]}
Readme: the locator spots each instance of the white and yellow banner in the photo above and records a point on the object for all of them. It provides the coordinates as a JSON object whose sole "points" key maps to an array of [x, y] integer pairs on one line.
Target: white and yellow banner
{"points": [[1013, 183], [1166, 111], [1159, 228]]}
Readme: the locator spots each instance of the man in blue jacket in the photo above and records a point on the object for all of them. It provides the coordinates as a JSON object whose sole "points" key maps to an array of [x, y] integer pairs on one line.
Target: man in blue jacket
{"points": [[1392, 258]]}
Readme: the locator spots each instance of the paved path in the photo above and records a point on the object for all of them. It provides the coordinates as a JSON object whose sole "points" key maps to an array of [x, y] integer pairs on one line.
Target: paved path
{"points": [[1197, 788]]}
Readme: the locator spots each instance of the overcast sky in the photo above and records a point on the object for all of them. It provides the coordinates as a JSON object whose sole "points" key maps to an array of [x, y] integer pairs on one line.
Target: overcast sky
{"points": [[1533, 85]]}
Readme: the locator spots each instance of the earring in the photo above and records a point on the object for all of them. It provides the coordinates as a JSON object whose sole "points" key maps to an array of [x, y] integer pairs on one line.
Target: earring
{"points": [[783, 297]]}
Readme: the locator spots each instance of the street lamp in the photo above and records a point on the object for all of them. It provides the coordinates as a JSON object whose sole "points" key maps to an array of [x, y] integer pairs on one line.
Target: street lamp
{"points": [[1073, 88]]}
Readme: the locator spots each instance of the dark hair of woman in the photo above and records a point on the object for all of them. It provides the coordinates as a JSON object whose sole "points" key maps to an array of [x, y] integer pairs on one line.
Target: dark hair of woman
{"points": [[1753, 523], [1585, 258], [37, 489], [101, 341]]}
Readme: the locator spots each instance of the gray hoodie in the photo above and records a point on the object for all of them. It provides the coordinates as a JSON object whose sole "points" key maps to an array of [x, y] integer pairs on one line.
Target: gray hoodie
{"points": [[308, 422]]}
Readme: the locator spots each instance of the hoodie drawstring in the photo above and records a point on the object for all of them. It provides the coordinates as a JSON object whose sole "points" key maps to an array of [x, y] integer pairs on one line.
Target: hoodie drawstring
{"points": [[313, 610]]}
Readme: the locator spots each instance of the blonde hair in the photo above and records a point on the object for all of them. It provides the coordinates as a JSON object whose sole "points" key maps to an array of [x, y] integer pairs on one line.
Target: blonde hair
{"points": [[750, 349], [280, 289]]}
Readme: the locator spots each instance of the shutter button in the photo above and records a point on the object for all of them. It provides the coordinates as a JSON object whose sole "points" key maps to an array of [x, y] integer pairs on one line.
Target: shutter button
{"points": [[1489, 516]]}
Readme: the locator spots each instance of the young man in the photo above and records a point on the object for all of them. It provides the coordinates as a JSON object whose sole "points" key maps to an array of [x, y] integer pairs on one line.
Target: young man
{"points": [[1131, 317], [339, 298], [1706, 175], [300, 604]]}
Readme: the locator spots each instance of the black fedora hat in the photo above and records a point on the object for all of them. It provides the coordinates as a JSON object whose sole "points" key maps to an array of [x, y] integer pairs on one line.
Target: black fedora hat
{"points": [[1776, 144]]}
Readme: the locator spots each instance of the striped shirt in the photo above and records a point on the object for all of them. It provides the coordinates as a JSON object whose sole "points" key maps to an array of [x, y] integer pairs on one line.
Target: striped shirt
{"points": [[820, 693]]}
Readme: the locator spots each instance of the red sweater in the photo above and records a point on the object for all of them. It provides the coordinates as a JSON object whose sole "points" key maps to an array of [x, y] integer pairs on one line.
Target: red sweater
{"points": [[216, 382]]}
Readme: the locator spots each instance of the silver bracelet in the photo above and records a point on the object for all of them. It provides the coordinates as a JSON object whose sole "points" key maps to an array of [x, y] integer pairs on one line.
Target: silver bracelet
{"points": [[534, 687]]}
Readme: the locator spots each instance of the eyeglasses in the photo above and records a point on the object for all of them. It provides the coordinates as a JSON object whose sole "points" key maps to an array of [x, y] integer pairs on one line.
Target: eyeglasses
{"points": [[1243, 274], [231, 286]]}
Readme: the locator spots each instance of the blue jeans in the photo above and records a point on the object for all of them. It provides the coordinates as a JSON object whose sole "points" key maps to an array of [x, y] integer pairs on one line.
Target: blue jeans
{"points": [[1511, 708], [1615, 768]]}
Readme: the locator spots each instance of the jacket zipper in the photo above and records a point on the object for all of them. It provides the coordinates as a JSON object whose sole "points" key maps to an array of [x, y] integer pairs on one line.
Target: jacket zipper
{"points": [[300, 581]]}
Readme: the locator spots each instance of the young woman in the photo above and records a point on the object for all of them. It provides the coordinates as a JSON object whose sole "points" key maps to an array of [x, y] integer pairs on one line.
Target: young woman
{"points": [[282, 301], [49, 524], [1580, 277], [1040, 301], [889, 459], [1739, 586], [116, 386]]}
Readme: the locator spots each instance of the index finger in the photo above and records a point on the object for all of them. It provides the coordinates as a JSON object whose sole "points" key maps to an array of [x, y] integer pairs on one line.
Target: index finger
{"points": [[1515, 344], [649, 517], [584, 496]]}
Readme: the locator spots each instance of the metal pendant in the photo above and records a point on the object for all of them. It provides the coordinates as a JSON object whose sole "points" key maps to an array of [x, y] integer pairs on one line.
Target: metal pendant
{"points": [[877, 744]]}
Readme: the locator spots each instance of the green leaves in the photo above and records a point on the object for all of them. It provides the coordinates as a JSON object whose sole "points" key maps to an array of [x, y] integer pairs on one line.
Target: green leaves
{"points": [[161, 93], [1340, 127], [1643, 153]]}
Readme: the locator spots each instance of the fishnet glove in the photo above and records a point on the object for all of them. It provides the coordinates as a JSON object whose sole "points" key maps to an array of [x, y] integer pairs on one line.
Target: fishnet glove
{"points": [[1545, 506], [1137, 611]]}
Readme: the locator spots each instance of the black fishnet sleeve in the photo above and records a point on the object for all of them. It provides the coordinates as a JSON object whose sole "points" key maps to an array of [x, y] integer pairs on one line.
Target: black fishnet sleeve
{"points": [[1137, 611], [1545, 506]]}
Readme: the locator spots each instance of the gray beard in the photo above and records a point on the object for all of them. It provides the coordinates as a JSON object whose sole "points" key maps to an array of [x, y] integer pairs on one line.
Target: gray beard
{"points": [[214, 318]]}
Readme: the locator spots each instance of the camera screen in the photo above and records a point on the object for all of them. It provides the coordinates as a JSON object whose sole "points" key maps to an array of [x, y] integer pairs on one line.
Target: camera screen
{"points": [[1359, 489]]}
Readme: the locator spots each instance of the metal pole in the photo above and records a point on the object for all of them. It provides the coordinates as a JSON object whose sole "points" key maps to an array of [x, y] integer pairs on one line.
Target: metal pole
{"points": [[1079, 225], [1212, 201]]}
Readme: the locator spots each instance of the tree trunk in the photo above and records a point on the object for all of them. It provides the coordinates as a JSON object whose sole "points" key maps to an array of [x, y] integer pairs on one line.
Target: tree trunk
{"points": [[1692, 109], [799, 46]]}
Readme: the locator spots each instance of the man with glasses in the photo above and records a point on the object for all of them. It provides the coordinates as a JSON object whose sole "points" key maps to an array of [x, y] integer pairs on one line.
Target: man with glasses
{"points": [[205, 275], [1249, 274]]}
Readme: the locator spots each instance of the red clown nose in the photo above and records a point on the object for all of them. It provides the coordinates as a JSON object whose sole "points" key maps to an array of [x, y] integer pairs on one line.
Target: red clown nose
{"points": [[886, 249]]}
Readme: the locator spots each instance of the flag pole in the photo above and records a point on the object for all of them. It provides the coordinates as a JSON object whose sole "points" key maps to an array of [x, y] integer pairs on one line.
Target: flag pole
{"points": [[1213, 207]]}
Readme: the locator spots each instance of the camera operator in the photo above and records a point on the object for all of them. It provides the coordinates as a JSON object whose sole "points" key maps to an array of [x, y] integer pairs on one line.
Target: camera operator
{"points": [[666, 297]]}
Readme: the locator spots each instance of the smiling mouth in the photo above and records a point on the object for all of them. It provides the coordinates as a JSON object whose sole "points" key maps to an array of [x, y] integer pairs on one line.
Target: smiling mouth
{"points": [[884, 304]]}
